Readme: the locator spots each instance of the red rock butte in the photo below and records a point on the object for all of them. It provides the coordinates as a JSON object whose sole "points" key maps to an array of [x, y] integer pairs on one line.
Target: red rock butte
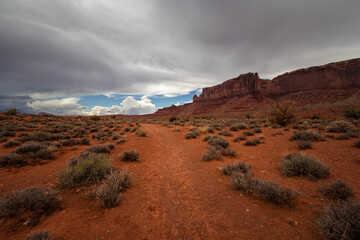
{"points": [[333, 83]]}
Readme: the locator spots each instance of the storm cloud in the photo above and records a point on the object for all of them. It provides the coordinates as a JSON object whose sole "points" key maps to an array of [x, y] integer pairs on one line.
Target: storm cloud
{"points": [[67, 48]]}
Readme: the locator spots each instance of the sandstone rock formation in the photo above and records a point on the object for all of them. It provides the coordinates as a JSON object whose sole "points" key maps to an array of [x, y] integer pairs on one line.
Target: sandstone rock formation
{"points": [[329, 83]]}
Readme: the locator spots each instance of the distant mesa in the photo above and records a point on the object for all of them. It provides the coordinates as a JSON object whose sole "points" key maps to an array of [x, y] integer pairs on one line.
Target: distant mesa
{"points": [[328, 84]]}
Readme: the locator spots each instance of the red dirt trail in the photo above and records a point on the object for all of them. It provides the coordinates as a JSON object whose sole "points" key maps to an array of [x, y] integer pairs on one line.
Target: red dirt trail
{"points": [[177, 196]]}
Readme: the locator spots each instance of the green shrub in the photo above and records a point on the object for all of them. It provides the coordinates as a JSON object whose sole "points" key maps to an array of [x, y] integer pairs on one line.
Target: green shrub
{"points": [[39, 235], [340, 126], [336, 190], [283, 113], [306, 135], [130, 156], [40, 201], [235, 167], [300, 164], [274, 192], [340, 221], [85, 171], [304, 144]]}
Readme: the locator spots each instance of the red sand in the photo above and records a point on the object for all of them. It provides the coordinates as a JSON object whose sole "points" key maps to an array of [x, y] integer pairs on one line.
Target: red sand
{"points": [[177, 196]]}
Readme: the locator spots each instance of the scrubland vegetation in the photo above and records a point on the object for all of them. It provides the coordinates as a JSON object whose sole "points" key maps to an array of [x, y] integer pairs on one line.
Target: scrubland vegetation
{"points": [[103, 147]]}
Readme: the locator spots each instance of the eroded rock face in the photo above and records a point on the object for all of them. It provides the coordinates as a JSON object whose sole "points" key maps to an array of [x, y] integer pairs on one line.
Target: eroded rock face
{"points": [[339, 75], [244, 84], [329, 83]]}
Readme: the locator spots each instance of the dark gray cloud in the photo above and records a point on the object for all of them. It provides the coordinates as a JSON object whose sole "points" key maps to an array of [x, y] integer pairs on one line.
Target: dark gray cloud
{"points": [[18, 102], [71, 48]]}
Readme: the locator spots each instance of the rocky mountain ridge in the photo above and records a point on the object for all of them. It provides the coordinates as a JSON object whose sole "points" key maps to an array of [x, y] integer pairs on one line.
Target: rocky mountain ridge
{"points": [[330, 83]]}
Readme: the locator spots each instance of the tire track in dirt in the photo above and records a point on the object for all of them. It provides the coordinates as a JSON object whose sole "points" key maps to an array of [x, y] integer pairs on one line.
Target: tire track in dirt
{"points": [[173, 193]]}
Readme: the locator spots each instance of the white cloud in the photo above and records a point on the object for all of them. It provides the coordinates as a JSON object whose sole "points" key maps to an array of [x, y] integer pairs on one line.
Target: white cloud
{"points": [[70, 106], [65, 106]]}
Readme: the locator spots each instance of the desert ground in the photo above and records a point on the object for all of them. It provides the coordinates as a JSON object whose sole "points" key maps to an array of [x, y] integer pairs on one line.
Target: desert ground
{"points": [[174, 194]]}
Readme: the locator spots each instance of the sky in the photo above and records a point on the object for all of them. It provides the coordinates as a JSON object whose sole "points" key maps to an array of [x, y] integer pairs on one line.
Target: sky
{"points": [[86, 57]]}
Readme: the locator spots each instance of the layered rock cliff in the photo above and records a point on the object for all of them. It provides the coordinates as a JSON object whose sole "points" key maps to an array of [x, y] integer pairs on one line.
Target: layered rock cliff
{"points": [[329, 83]]}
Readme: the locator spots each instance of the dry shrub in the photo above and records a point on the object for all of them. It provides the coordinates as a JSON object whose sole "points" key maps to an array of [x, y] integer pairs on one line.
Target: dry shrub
{"points": [[213, 153], [336, 190], [274, 192], [13, 143], [306, 135], [241, 137], [191, 135], [12, 159], [40, 201], [248, 133], [99, 149], [226, 133], [218, 147], [109, 192], [218, 141], [252, 142], [342, 136], [304, 144], [39, 235], [141, 133], [357, 143], [235, 167], [300, 164], [257, 130], [283, 113], [340, 126], [340, 221], [130, 156], [242, 182]]}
